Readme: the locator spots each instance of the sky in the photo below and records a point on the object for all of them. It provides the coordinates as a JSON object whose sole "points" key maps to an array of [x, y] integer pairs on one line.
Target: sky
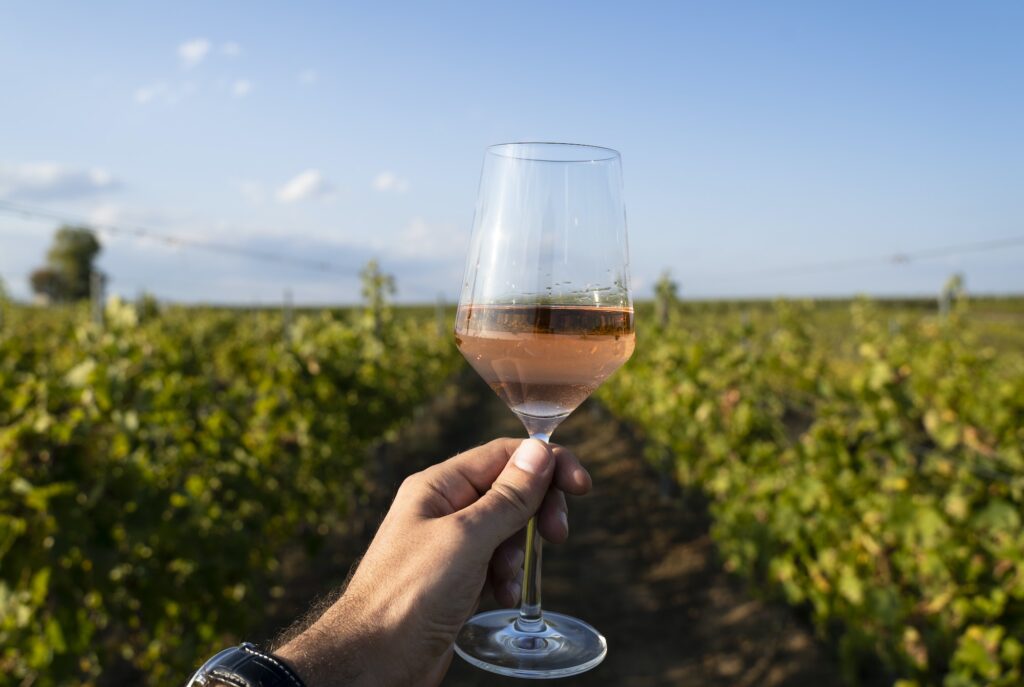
{"points": [[767, 147]]}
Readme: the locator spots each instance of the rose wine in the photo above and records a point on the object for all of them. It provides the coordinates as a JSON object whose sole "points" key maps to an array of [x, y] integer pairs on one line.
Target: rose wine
{"points": [[544, 360]]}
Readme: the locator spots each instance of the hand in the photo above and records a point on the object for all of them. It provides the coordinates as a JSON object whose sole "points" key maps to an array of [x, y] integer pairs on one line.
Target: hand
{"points": [[452, 529]]}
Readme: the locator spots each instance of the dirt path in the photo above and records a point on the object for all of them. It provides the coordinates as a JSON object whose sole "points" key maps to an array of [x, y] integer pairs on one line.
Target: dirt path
{"points": [[639, 566]]}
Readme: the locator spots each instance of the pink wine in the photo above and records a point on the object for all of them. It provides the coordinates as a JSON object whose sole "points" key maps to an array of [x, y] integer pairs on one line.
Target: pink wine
{"points": [[544, 360]]}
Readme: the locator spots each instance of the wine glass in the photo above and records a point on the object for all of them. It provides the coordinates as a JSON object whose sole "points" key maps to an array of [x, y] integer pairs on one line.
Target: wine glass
{"points": [[545, 317]]}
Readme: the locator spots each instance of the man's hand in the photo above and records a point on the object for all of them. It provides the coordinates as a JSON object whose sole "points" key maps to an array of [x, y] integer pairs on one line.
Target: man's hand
{"points": [[451, 530]]}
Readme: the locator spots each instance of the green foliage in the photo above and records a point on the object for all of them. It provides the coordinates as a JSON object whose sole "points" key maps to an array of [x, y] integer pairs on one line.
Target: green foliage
{"points": [[955, 286], [953, 294], [377, 290], [3, 305], [877, 480], [666, 294], [151, 474], [866, 464], [147, 306]]}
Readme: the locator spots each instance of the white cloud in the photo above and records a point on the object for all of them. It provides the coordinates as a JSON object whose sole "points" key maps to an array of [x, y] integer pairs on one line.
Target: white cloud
{"points": [[423, 240], [52, 181], [305, 186], [159, 222], [147, 94], [192, 52], [389, 181], [241, 88], [105, 214], [252, 191], [231, 49], [163, 92], [308, 77]]}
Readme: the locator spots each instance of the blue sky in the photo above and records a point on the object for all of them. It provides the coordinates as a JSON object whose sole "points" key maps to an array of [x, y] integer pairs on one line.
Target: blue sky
{"points": [[755, 136]]}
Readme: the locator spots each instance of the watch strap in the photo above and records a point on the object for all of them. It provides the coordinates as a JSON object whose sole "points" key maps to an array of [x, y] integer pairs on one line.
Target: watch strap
{"points": [[246, 666]]}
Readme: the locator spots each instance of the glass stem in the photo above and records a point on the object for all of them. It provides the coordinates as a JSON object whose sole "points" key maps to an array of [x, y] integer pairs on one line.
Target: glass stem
{"points": [[531, 619]]}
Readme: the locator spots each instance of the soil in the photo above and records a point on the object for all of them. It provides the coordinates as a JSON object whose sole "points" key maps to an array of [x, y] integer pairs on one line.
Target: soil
{"points": [[639, 564]]}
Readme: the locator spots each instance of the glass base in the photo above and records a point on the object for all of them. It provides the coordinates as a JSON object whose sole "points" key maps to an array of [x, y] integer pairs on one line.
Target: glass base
{"points": [[564, 646]]}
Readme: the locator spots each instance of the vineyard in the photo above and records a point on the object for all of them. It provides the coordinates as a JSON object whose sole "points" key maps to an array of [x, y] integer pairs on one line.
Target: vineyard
{"points": [[870, 472], [152, 472], [863, 462]]}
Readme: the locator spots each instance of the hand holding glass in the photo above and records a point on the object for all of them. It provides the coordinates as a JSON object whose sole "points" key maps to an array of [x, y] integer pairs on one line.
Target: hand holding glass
{"points": [[545, 317]]}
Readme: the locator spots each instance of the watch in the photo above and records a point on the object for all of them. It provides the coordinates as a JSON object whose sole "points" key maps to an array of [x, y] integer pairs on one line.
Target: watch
{"points": [[245, 666]]}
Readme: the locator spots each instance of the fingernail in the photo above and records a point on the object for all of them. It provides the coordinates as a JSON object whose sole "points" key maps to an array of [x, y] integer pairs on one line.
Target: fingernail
{"points": [[531, 456], [564, 520]]}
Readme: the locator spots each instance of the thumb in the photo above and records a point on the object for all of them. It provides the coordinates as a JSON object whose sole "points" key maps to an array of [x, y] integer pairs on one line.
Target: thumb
{"points": [[516, 495]]}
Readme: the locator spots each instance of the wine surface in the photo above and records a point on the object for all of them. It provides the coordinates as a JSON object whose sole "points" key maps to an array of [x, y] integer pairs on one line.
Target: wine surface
{"points": [[544, 360]]}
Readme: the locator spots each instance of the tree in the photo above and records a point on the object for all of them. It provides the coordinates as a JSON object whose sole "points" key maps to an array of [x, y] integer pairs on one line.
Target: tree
{"points": [[72, 254], [48, 283], [69, 265]]}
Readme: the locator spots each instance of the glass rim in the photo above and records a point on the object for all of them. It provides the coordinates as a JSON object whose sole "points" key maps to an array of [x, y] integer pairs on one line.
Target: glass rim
{"points": [[600, 153]]}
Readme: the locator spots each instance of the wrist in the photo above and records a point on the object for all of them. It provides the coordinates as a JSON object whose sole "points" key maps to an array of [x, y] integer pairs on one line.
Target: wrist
{"points": [[333, 652]]}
